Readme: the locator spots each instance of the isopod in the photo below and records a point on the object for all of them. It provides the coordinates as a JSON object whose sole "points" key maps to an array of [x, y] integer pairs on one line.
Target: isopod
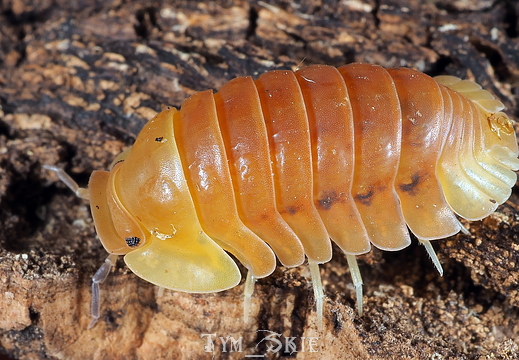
{"points": [[281, 165]]}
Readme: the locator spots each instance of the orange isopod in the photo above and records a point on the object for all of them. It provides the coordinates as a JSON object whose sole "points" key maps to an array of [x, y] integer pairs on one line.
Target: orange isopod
{"points": [[281, 165]]}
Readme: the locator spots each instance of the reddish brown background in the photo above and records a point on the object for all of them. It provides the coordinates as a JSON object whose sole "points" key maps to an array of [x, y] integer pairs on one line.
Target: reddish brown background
{"points": [[77, 82]]}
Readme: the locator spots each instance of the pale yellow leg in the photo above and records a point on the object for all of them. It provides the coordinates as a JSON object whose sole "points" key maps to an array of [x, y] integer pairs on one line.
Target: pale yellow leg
{"points": [[463, 229], [250, 281], [357, 280], [98, 278], [65, 178], [318, 292], [430, 250], [432, 254]]}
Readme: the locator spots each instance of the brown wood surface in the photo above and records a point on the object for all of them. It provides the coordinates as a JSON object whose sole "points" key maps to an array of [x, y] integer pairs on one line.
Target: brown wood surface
{"points": [[79, 79]]}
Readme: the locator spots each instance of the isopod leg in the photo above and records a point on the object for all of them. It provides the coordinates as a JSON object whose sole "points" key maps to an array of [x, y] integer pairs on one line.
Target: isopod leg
{"points": [[357, 280], [463, 229], [97, 279], [63, 176], [160, 291], [318, 292], [432, 254], [247, 292]]}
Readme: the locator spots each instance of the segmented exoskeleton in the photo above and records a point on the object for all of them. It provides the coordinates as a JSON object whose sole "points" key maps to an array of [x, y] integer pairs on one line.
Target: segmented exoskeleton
{"points": [[278, 166]]}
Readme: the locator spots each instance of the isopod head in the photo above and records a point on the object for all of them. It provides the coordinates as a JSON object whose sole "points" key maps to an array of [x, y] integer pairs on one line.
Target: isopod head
{"points": [[142, 209]]}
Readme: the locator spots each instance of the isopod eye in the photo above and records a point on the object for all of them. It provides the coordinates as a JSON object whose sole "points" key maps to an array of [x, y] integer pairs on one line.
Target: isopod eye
{"points": [[132, 241]]}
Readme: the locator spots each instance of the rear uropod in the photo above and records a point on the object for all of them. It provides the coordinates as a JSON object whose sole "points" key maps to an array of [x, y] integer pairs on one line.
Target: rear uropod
{"points": [[281, 165]]}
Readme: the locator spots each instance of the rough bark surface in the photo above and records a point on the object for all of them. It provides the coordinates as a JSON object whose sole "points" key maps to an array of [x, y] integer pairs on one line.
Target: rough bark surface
{"points": [[79, 79]]}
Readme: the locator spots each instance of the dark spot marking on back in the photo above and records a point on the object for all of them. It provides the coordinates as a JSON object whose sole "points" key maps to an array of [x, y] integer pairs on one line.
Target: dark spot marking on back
{"points": [[159, 139], [365, 199], [97, 207], [291, 210], [326, 203], [328, 199], [493, 201], [132, 241], [411, 187]]}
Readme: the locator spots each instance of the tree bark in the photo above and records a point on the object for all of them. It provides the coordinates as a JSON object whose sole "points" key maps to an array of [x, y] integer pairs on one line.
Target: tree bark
{"points": [[77, 82]]}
